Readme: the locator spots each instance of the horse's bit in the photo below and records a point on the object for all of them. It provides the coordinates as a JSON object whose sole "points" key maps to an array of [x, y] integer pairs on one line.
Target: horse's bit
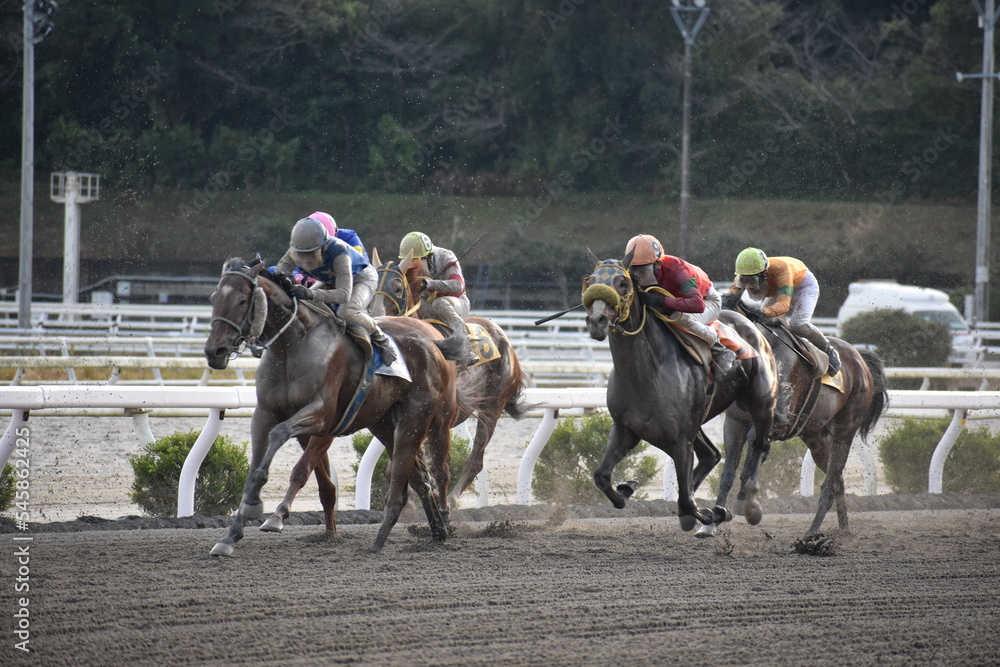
{"points": [[242, 342]]}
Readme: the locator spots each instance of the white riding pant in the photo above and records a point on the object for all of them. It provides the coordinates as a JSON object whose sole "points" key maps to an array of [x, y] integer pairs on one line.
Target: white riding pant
{"points": [[800, 312], [355, 310], [452, 310], [697, 323]]}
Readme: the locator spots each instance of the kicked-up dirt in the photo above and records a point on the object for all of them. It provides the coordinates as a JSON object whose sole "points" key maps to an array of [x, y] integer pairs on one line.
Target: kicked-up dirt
{"points": [[903, 587]]}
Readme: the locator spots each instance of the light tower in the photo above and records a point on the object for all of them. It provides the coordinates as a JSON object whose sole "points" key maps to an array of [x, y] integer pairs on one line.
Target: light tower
{"points": [[73, 189]]}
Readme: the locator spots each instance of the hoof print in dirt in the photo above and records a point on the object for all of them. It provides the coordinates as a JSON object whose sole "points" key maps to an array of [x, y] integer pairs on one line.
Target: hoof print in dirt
{"points": [[815, 545]]}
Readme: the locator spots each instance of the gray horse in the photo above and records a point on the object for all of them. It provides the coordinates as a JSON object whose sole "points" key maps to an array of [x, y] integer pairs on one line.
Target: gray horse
{"points": [[658, 393], [310, 386]]}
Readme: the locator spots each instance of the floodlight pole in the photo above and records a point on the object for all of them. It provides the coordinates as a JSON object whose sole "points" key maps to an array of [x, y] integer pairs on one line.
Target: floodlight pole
{"points": [[981, 303], [689, 19], [27, 169]]}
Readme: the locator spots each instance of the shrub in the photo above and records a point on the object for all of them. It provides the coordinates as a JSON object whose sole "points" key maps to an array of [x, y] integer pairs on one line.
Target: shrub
{"points": [[902, 339], [780, 473], [7, 480], [380, 480], [218, 488], [564, 472], [972, 466]]}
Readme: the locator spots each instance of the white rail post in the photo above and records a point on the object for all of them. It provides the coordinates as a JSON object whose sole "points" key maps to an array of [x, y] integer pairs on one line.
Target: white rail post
{"points": [[531, 454], [189, 473], [935, 475], [807, 475], [363, 482], [17, 420], [669, 479]]}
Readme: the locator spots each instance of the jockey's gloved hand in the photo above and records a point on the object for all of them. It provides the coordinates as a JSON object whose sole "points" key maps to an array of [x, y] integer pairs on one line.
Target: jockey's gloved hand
{"points": [[653, 300], [302, 293], [755, 314], [729, 301]]}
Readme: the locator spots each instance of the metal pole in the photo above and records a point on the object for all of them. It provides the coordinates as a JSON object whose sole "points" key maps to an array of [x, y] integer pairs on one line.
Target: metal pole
{"points": [[685, 151], [71, 244], [27, 169], [982, 301]]}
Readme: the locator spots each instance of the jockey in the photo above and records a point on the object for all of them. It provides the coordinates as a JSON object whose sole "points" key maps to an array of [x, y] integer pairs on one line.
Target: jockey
{"points": [[698, 303], [349, 236], [343, 277], [787, 288], [443, 288]]}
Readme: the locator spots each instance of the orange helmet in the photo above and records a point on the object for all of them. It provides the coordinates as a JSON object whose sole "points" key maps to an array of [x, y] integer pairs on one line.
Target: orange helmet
{"points": [[647, 249]]}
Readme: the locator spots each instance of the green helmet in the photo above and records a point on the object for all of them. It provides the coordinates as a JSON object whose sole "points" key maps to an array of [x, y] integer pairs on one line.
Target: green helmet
{"points": [[418, 242], [751, 261]]}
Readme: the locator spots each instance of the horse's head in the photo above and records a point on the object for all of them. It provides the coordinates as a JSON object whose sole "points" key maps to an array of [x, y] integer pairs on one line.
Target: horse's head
{"points": [[239, 309], [608, 295], [398, 286]]}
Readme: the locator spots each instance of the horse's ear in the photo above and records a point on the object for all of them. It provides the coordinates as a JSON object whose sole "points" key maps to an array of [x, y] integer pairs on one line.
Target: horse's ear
{"points": [[592, 257], [628, 258], [376, 262], [256, 267], [405, 263]]}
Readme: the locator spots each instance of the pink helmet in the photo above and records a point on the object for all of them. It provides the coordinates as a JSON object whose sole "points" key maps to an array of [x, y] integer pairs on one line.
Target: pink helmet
{"points": [[327, 221]]}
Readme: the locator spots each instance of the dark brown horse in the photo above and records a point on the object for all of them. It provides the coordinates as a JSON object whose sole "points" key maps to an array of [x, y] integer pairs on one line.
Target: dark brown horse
{"points": [[500, 380], [831, 419], [658, 393], [309, 387]]}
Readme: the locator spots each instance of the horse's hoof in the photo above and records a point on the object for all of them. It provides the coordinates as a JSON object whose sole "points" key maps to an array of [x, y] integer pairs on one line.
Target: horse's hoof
{"points": [[721, 514], [273, 525], [627, 489], [707, 530], [222, 549], [753, 512], [688, 523]]}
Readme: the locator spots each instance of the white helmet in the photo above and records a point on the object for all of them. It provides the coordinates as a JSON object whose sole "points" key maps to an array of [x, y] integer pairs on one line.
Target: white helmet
{"points": [[308, 234]]}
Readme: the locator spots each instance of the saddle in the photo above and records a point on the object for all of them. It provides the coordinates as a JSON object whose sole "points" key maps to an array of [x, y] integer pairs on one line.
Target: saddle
{"points": [[812, 355], [700, 350], [480, 341]]}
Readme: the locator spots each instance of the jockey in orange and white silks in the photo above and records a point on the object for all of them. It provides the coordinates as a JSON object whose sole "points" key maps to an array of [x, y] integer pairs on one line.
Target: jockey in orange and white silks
{"points": [[788, 288], [443, 289], [695, 298], [344, 277]]}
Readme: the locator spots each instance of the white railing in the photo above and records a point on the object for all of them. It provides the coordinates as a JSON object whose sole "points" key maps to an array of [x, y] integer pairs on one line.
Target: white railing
{"points": [[137, 401]]}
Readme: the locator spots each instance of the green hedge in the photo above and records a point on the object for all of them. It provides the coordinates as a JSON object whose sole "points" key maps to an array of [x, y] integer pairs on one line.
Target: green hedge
{"points": [[972, 466], [901, 339], [218, 488], [564, 472]]}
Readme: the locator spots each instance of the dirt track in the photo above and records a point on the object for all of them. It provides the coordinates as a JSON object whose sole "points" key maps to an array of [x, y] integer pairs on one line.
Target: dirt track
{"points": [[903, 588]]}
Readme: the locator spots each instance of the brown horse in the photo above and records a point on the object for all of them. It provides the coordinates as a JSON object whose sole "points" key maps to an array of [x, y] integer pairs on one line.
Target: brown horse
{"points": [[836, 415], [311, 386], [658, 393], [501, 380]]}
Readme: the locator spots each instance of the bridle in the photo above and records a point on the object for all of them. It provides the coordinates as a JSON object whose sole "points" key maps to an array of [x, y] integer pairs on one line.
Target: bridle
{"points": [[387, 272], [600, 285], [244, 340]]}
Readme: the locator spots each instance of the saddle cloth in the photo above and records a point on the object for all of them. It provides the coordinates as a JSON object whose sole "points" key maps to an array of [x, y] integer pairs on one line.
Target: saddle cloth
{"points": [[480, 340]]}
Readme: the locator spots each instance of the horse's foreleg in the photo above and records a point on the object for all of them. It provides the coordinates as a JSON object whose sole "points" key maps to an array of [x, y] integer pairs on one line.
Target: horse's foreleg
{"points": [[438, 449], [833, 486], [762, 413], [436, 517], [620, 442], [256, 479], [734, 435], [688, 511], [309, 460]]}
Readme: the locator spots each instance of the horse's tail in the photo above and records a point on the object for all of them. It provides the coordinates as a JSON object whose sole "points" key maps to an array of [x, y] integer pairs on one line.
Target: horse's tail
{"points": [[880, 401], [516, 406]]}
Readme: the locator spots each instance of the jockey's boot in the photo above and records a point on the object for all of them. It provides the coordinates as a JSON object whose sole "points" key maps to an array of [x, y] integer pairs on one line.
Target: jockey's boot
{"points": [[831, 352], [724, 357], [380, 340]]}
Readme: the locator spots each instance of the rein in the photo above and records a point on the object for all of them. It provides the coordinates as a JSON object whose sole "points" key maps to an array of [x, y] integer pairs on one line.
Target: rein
{"points": [[242, 341]]}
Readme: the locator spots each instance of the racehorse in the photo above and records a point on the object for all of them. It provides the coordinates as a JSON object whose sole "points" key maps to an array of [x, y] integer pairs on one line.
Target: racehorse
{"points": [[315, 382], [657, 392], [827, 423], [501, 379]]}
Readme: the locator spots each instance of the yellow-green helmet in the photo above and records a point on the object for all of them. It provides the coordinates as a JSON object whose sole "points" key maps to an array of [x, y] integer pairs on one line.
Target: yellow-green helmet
{"points": [[418, 242], [751, 261]]}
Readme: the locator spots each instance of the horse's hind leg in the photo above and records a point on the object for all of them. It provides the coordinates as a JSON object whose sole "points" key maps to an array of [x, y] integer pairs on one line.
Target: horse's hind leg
{"points": [[837, 449], [620, 442], [474, 464]]}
